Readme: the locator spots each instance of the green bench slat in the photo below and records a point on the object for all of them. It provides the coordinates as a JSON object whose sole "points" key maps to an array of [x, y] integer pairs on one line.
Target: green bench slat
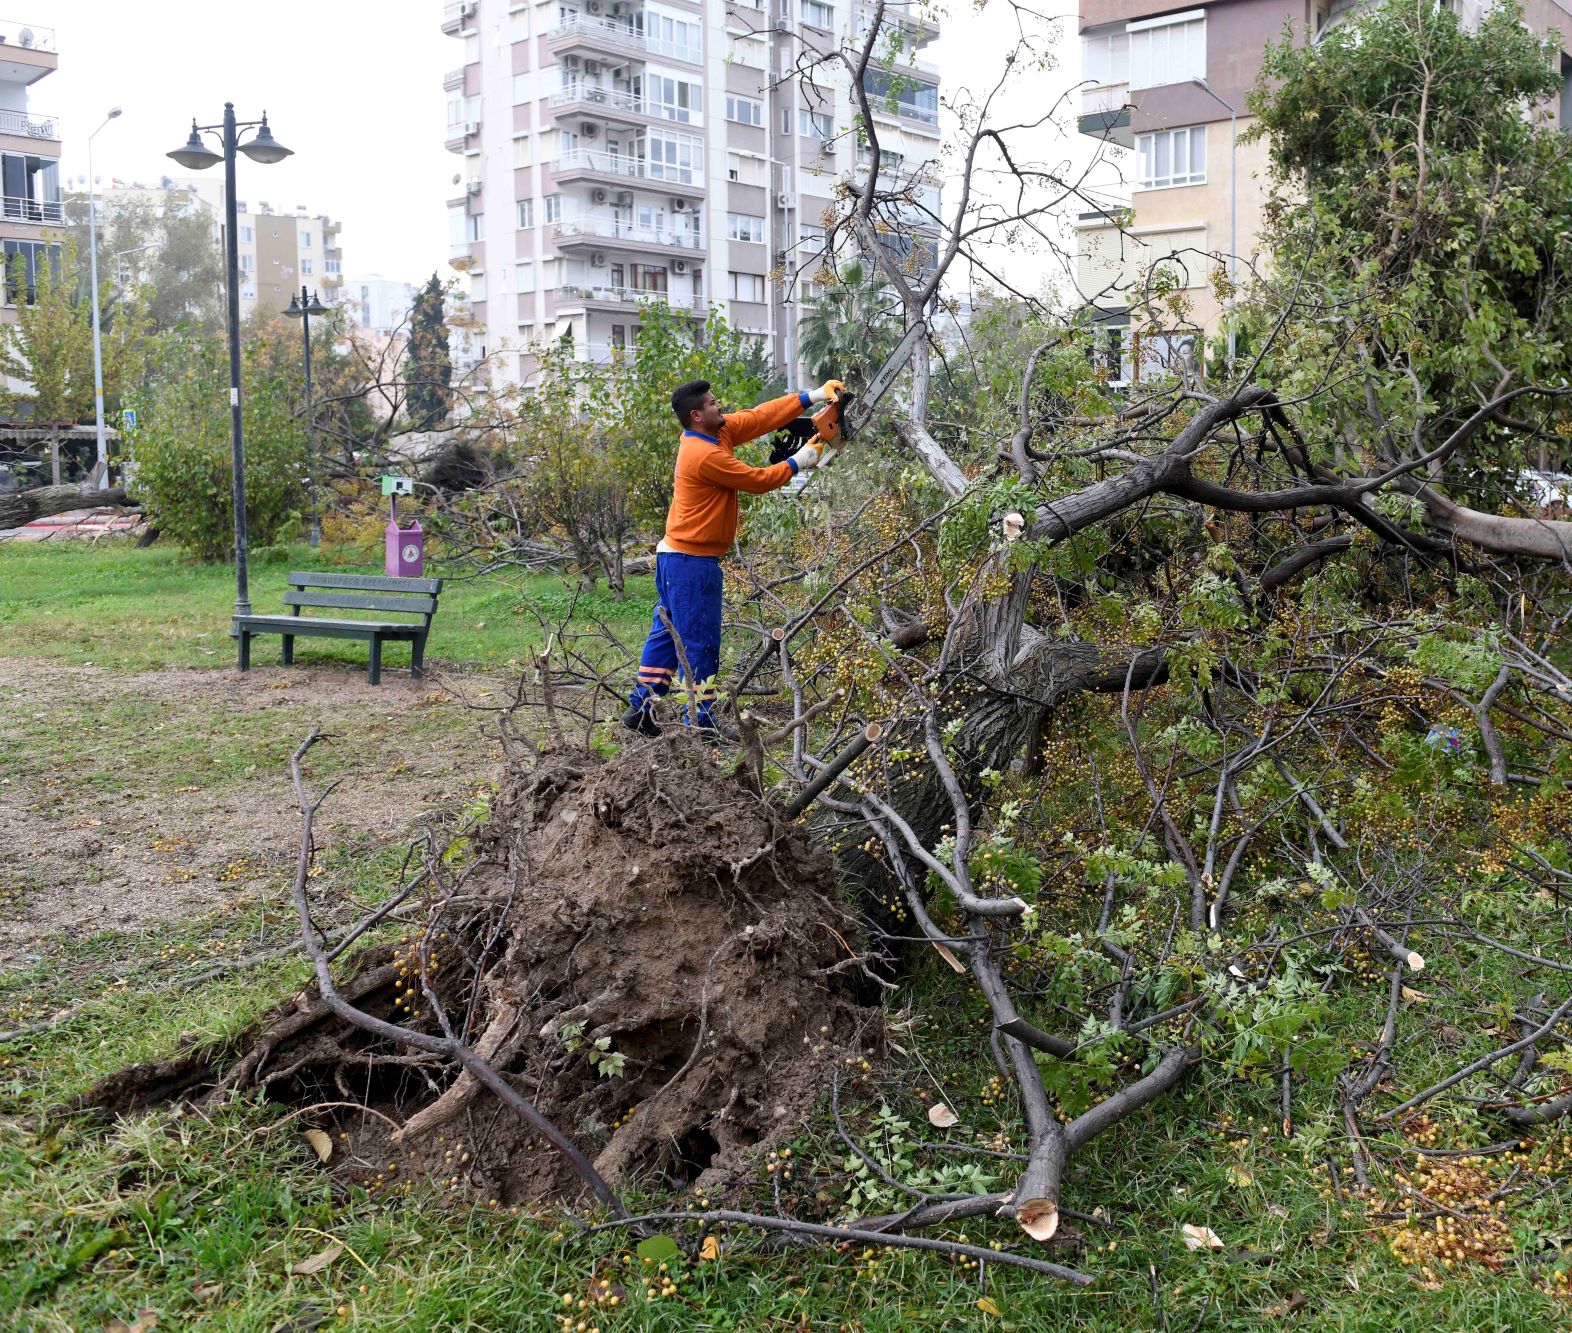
{"points": [[306, 626], [364, 582], [418, 606]]}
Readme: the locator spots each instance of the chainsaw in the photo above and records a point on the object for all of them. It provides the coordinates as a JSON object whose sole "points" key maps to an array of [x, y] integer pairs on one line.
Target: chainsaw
{"points": [[833, 425]]}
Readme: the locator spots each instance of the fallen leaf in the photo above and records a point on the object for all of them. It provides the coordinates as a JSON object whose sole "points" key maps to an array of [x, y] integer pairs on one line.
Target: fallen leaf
{"points": [[1352, 1280], [1200, 1238], [1415, 997], [710, 1250], [320, 1141], [1277, 1210], [317, 1262], [145, 1322], [658, 1249], [949, 957], [988, 1305], [941, 1117], [1239, 1177], [207, 1292]]}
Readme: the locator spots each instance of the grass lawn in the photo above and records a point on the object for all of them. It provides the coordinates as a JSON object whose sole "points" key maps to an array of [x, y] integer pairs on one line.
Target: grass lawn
{"points": [[118, 704]]}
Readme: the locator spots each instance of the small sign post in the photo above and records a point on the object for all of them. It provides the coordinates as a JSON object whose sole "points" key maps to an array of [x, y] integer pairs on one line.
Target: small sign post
{"points": [[406, 547]]}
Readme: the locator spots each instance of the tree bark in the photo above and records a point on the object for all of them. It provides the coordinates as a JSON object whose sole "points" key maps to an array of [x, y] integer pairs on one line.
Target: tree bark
{"points": [[54, 455], [21, 507]]}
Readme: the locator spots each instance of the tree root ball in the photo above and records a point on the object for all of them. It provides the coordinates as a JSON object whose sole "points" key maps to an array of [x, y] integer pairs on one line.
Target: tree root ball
{"points": [[654, 956]]}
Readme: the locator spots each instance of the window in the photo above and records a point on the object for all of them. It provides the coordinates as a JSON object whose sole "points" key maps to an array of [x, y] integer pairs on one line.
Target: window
{"points": [[744, 169], [1173, 157], [477, 287], [306, 269], [810, 240], [526, 275], [248, 263], [816, 125], [305, 240], [526, 214], [744, 110], [785, 120], [619, 335], [332, 265], [675, 37], [523, 147], [523, 91], [23, 259], [518, 24], [553, 208], [1167, 50], [246, 236], [675, 99], [747, 50], [647, 278], [1105, 57], [673, 157], [744, 227], [456, 108], [818, 15], [745, 287], [475, 227]]}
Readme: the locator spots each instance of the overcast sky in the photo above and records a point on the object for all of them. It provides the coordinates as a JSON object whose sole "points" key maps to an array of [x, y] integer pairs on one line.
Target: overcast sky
{"points": [[355, 88]]}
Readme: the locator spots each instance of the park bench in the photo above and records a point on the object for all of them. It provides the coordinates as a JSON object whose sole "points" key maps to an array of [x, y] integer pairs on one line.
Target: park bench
{"points": [[349, 592]]}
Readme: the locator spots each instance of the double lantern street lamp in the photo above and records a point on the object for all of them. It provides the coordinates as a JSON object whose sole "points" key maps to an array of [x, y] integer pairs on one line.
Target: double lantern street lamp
{"points": [[195, 155], [303, 307]]}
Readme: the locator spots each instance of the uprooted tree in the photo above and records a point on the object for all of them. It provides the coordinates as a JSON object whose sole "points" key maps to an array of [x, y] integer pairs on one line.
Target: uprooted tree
{"points": [[1173, 719]]}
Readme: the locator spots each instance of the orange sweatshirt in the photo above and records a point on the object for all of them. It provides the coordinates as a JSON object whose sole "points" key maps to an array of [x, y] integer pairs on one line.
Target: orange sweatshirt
{"points": [[703, 515]]}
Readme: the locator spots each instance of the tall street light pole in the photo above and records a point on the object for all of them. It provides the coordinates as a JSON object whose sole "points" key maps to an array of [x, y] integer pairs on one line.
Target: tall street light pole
{"points": [[302, 307], [1233, 210], [98, 353], [196, 156]]}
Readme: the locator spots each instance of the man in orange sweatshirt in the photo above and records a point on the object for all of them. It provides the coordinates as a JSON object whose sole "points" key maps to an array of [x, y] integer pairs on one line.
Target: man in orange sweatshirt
{"points": [[700, 526]]}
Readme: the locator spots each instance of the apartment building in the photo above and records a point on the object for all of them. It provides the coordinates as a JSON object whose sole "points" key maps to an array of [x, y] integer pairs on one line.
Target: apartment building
{"points": [[618, 151], [31, 213], [278, 250], [377, 305], [1169, 84]]}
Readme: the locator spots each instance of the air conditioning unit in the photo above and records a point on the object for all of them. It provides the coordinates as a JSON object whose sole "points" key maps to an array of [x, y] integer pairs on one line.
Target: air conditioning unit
{"points": [[598, 196], [679, 266], [474, 185], [589, 129], [571, 62], [467, 7], [592, 67], [597, 260], [471, 127], [623, 198], [786, 201], [679, 205], [594, 6]]}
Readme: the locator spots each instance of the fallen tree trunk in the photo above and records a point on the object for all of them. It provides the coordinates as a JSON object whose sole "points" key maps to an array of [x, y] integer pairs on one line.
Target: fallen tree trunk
{"points": [[24, 506]]}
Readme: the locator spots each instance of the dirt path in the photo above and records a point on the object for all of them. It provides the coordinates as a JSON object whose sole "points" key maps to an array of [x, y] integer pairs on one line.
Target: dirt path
{"points": [[132, 799]]}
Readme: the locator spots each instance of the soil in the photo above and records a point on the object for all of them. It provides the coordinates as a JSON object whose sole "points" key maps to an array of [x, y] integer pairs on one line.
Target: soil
{"points": [[654, 955], [95, 851]]}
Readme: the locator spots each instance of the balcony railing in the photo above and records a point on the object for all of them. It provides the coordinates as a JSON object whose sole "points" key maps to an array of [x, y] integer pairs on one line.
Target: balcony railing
{"points": [[611, 32], [615, 164], [1105, 97], [631, 296], [29, 36], [15, 208], [34, 127], [615, 229], [617, 98]]}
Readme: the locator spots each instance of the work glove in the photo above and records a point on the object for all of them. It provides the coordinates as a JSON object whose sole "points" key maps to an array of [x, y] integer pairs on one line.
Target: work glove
{"points": [[806, 457], [827, 392]]}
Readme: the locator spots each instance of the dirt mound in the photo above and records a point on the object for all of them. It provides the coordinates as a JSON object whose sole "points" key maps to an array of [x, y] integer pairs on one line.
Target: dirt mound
{"points": [[651, 954]]}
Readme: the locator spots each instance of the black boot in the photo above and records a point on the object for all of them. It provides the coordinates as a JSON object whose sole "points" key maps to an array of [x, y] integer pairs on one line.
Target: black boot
{"points": [[639, 718], [714, 732]]}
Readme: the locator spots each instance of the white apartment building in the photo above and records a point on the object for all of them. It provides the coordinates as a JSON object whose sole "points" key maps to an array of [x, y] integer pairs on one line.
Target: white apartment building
{"points": [[618, 151], [278, 250], [30, 211], [378, 305]]}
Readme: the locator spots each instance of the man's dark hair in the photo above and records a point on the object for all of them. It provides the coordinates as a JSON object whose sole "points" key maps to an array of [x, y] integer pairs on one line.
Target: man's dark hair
{"points": [[689, 398]]}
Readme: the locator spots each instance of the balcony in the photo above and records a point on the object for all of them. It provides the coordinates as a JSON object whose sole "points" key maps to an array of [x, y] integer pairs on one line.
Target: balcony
{"points": [[459, 134], [30, 126], [591, 164], [1105, 112], [612, 105], [27, 52], [624, 300], [457, 15], [583, 33], [612, 233], [46, 212], [454, 78]]}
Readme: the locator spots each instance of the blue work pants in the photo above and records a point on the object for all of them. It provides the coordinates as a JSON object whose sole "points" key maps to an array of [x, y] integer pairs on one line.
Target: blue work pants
{"points": [[689, 590]]}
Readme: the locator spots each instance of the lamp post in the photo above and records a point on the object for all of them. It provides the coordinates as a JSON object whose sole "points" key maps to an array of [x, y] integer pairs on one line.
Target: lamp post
{"points": [[1233, 209], [122, 269], [98, 354], [196, 156], [302, 307]]}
